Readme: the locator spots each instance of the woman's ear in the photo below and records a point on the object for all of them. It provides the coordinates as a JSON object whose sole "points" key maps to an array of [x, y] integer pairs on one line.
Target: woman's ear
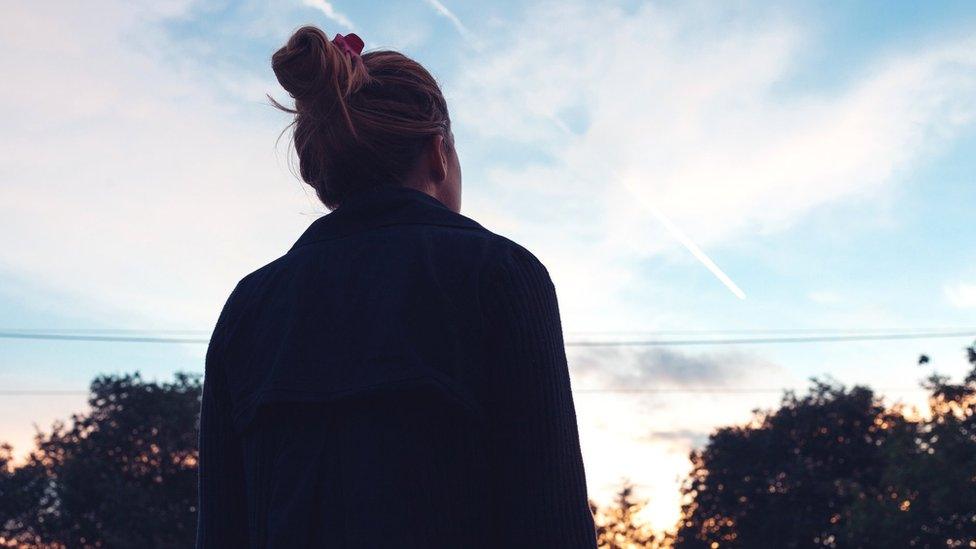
{"points": [[438, 160]]}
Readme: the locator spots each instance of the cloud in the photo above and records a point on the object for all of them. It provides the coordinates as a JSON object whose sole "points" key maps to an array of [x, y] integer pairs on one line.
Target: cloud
{"points": [[171, 189], [329, 10], [699, 109], [665, 368], [131, 184], [961, 295], [685, 439]]}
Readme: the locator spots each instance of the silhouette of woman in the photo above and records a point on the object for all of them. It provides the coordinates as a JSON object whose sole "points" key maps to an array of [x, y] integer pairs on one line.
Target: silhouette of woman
{"points": [[398, 377]]}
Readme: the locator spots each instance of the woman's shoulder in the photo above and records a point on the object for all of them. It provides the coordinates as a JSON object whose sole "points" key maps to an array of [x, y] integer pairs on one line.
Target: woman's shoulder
{"points": [[510, 265], [511, 254]]}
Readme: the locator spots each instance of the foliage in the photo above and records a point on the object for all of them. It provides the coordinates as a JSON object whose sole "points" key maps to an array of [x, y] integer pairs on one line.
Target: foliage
{"points": [[121, 475], [835, 468], [619, 527], [20, 490], [927, 495]]}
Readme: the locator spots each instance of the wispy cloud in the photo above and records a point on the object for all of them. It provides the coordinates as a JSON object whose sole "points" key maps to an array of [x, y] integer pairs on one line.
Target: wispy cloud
{"points": [[329, 10], [663, 368], [92, 199], [682, 438], [696, 107], [961, 295], [444, 11]]}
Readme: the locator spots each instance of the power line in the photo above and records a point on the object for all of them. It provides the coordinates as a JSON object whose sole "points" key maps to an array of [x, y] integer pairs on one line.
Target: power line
{"points": [[102, 338], [103, 331], [769, 340], [741, 331], [612, 390], [721, 390], [577, 343], [745, 331], [41, 392], [38, 335]]}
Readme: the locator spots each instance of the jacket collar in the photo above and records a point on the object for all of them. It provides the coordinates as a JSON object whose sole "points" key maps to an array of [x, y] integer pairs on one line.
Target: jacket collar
{"points": [[380, 206]]}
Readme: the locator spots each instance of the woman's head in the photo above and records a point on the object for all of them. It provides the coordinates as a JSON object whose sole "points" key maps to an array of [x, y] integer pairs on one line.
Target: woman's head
{"points": [[365, 121]]}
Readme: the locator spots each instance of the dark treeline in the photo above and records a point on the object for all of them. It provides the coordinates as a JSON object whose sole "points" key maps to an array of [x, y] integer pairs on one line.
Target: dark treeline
{"points": [[834, 467], [122, 474]]}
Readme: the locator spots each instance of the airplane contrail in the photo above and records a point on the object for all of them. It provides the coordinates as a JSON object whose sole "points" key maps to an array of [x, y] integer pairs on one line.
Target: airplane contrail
{"points": [[689, 244], [443, 10]]}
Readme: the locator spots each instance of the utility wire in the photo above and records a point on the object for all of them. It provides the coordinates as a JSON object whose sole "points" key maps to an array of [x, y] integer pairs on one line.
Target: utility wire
{"points": [[753, 331], [103, 331], [102, 338], [767, 340], [572, 343], [38, 335], [612, 390], [41, 392], [741, 331], [722, 390]]}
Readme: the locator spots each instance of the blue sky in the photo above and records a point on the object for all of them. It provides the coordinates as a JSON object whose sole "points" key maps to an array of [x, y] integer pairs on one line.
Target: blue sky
{"points": [[822, 154]]}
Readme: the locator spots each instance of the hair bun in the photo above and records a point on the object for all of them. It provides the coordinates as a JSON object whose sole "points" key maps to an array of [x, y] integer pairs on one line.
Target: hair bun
{"points": [[304, 65]]}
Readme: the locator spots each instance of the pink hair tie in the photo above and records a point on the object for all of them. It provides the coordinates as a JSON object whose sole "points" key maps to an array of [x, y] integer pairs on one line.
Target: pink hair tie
{"points": [[350, 43]]}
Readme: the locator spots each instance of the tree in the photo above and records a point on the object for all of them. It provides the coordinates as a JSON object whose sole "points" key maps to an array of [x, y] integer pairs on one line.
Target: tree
{"points": [[20, 490], [122, 474], [836, 468], [927, 494], [619, 527]]}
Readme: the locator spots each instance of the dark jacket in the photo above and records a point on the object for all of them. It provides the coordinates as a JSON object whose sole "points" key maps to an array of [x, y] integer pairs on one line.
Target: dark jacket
{"points": [[397, 379]]}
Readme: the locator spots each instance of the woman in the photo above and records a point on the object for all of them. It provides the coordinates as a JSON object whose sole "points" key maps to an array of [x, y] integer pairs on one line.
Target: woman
{"points": [[397, 378]]}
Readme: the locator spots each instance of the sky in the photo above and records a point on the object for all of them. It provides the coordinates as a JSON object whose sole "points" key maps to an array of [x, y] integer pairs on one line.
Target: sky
{"points": [[820, 154]]}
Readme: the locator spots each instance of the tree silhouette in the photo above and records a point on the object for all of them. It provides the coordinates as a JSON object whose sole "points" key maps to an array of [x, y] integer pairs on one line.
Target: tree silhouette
{"points": [[121, 475], [21, 489], [927, 495], [835, 468], [619, 527]]}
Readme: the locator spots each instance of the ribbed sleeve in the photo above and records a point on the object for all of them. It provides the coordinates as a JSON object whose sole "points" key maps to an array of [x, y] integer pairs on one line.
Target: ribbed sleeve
{"points": [[222, 515], [538, 476]]}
